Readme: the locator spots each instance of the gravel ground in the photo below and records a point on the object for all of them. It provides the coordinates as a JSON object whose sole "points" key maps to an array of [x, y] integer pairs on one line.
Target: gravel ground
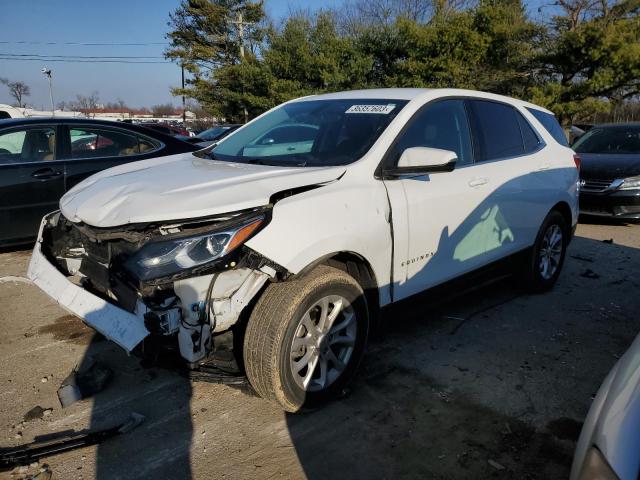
{"points": [[490, 384]]}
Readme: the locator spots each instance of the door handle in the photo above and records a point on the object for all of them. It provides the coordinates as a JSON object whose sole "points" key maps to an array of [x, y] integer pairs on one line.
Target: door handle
{"points": [[478, 181], [46, 173], [291, 149], [544, 166]]}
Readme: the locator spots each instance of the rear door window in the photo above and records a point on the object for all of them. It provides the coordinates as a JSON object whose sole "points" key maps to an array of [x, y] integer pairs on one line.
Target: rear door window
{"points": [[551, 125], [28, 145], [96, 143], [496, 130]]}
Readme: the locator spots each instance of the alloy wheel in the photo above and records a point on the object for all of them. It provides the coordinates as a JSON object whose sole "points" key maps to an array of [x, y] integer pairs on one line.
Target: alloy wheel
{"points": [[550, 251], [323, 343]]}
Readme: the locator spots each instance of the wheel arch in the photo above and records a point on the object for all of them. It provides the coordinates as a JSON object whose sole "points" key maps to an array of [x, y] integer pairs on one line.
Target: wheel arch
{"points": [[565, 210], [360, 269]]}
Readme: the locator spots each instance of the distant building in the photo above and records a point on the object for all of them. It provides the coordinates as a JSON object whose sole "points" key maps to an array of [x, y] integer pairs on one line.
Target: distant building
{"points": [[7, 111]]}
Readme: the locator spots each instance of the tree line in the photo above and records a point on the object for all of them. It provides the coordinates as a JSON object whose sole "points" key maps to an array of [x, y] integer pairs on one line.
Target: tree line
{"points": [[579, 58]]}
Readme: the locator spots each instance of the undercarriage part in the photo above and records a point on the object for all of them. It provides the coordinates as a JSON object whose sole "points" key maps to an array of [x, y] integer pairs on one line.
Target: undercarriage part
{"points": [[84, 383], [62, 442], [212, 374]]}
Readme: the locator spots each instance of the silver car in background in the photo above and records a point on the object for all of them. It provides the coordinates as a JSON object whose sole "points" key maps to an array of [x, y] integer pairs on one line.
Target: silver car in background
{"points": [[609, 444]]}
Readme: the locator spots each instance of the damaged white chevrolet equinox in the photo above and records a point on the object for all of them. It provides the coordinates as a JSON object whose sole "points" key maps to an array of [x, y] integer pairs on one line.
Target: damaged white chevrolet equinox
{"points": [[296, 229]]}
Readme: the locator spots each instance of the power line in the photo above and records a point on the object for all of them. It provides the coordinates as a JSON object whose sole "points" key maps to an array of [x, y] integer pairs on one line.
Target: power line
{"points": [[92, 44], [25, 59], [73, 57]]}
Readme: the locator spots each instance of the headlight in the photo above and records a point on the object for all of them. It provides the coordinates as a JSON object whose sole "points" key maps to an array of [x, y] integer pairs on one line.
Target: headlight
{"points": [[595, 467], [167, 257], [630, 183]]}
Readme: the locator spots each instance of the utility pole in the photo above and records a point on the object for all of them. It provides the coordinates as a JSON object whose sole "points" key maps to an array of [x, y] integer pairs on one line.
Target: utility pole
{"points": [[240, 23], [184, 113]]}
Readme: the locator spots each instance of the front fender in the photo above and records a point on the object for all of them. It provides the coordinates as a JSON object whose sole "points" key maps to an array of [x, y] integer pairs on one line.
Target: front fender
{"points": [[333, 218]]}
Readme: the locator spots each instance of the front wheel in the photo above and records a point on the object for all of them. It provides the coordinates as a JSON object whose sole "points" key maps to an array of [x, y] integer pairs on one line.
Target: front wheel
{"points": [[544, 262], [305, 338]]}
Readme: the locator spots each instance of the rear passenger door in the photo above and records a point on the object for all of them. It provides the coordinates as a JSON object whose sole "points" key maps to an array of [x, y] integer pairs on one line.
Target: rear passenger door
{"points": [[509, 151], [31, 179], [90, 149]]}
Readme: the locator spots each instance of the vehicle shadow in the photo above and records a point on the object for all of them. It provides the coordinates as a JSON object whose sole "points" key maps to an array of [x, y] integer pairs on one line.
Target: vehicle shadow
{"points": [[491, 383], [160, 446]]}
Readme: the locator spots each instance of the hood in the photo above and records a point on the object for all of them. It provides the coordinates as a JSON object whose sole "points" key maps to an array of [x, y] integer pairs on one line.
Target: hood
{"points": [[179, 187], [609, 166]]}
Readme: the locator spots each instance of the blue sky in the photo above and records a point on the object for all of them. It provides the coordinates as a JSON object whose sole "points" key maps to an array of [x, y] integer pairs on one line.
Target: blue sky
{"points": [[98, 21]]}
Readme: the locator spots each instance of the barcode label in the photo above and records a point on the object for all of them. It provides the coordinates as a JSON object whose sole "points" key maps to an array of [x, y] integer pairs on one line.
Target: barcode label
{"points": [[381, 109]]}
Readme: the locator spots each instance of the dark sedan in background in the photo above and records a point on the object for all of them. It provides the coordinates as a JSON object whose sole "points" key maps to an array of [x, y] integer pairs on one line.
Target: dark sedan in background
{"points": [[212, 135], [610, 171], [42, 158]]}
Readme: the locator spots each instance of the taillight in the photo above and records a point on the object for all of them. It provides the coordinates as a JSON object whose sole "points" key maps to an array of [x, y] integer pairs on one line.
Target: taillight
{"points": [[577, 160]]}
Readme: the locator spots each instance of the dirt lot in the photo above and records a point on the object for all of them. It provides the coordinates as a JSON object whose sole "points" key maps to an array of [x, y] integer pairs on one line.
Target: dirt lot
{"points": [[491, 384]]}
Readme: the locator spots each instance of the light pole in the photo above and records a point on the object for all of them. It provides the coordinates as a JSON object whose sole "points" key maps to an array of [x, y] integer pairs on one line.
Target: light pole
{"points": [[47, 72]]}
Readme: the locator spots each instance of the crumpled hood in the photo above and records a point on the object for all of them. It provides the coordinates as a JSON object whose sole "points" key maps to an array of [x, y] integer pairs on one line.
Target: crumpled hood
{"points": [[179, 187]]}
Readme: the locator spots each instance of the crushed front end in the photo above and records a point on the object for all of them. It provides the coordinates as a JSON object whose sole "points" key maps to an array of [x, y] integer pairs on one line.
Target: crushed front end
{"points": [[175, 284]]}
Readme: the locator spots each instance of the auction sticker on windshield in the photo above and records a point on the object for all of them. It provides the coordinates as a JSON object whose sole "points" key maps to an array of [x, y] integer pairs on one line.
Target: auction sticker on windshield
{"points": [[384, 109]]}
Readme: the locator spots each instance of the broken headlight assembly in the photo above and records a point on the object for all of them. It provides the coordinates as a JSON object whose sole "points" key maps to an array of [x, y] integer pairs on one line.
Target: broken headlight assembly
{"points": [[166, 257]]}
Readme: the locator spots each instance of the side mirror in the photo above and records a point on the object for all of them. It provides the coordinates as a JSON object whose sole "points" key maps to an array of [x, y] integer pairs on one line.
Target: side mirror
{"points": [[423, 160]]}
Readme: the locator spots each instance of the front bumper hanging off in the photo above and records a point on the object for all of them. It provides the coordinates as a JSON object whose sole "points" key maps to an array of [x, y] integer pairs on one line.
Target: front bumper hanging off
{"points": [[118, 325], [220, 295]]}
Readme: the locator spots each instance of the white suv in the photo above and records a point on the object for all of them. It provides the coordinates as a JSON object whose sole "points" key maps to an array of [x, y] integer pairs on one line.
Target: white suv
{"points": [[294, 231]]}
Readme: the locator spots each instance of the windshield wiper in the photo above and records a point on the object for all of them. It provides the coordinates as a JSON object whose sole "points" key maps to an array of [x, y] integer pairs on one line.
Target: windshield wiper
{"points": [[259, 161]]}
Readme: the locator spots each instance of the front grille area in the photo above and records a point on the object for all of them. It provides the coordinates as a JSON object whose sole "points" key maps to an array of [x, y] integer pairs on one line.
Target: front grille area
{"points": [[595, 185]]}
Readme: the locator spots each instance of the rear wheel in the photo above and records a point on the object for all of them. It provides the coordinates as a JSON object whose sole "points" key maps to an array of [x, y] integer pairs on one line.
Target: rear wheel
{"points": [[306, 337], [544, 262]]}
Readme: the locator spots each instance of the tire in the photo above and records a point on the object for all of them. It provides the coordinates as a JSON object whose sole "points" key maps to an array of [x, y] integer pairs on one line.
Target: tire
{"points": [[292, 311], [535, 276]]}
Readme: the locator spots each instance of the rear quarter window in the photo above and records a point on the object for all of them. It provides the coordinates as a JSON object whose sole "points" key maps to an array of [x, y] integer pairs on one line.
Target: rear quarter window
{"points": [[551, 125]]}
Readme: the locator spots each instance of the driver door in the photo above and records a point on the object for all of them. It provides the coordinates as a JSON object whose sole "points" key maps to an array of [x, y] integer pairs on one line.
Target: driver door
{"points": [[430, 211]]}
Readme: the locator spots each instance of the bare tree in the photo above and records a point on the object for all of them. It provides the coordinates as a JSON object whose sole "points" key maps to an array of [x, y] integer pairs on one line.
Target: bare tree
{"points": [[163, 110], [355, 14], [19, 90], [86, 103]]}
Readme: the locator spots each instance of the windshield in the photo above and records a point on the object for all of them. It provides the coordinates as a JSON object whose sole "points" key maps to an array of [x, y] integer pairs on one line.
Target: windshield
{"points": [[622, 140], [311, 133]]}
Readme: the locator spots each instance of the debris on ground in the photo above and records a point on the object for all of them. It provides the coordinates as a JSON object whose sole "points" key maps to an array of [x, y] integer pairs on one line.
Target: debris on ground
{"points": [[495, 464], [46, 445], [84, 382], [588, 273], [582, 258], [36, 413], [608, 241]]}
